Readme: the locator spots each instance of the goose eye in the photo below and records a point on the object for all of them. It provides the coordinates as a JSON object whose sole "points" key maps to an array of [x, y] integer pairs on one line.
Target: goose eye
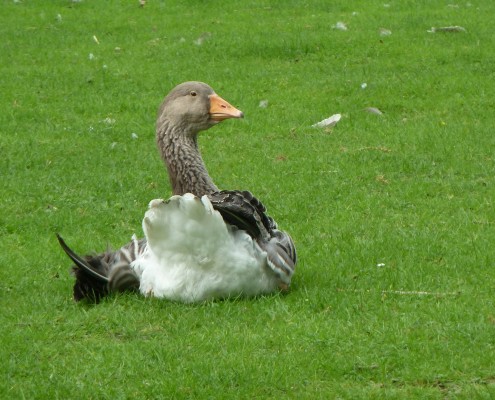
{"points": [[193, 93]]}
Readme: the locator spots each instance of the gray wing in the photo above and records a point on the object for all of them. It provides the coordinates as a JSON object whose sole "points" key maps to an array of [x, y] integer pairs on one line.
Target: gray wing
{"points": [[246, 212]]}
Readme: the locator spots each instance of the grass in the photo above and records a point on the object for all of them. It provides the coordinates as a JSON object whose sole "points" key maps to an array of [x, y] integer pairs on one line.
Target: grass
{"points": [[381, 208]]}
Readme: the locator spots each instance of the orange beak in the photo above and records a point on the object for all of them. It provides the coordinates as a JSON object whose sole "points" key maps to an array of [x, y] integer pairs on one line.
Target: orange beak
{"points": [[220, 109]]}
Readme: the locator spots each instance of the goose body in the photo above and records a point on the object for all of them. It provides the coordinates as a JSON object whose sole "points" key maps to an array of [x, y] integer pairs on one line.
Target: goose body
{"points": [[202, 243], [193, 255]]}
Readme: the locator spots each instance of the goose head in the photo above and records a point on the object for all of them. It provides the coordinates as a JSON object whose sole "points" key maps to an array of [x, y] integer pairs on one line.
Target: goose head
{"points": [[192, 107], [189, 108]]}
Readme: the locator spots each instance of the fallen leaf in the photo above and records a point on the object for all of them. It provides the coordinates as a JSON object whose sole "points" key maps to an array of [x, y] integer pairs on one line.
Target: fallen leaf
{"points": [[382, 179]]}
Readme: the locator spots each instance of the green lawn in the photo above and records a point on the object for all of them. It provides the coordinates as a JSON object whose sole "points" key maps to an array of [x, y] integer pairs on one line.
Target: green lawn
{"points": [[392, 214]]}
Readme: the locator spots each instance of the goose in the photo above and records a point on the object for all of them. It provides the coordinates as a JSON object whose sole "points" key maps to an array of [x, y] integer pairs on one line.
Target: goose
{"points": [[203, 243]]}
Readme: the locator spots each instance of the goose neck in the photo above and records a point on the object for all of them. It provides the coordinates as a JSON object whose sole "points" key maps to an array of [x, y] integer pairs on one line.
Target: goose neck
{"points": [[186, 169]]}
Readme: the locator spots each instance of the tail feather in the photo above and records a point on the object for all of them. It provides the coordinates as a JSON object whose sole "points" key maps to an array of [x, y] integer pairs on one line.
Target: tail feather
{"points": [[87, 287], [97, 270], [91, 274], [100, 274]]}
